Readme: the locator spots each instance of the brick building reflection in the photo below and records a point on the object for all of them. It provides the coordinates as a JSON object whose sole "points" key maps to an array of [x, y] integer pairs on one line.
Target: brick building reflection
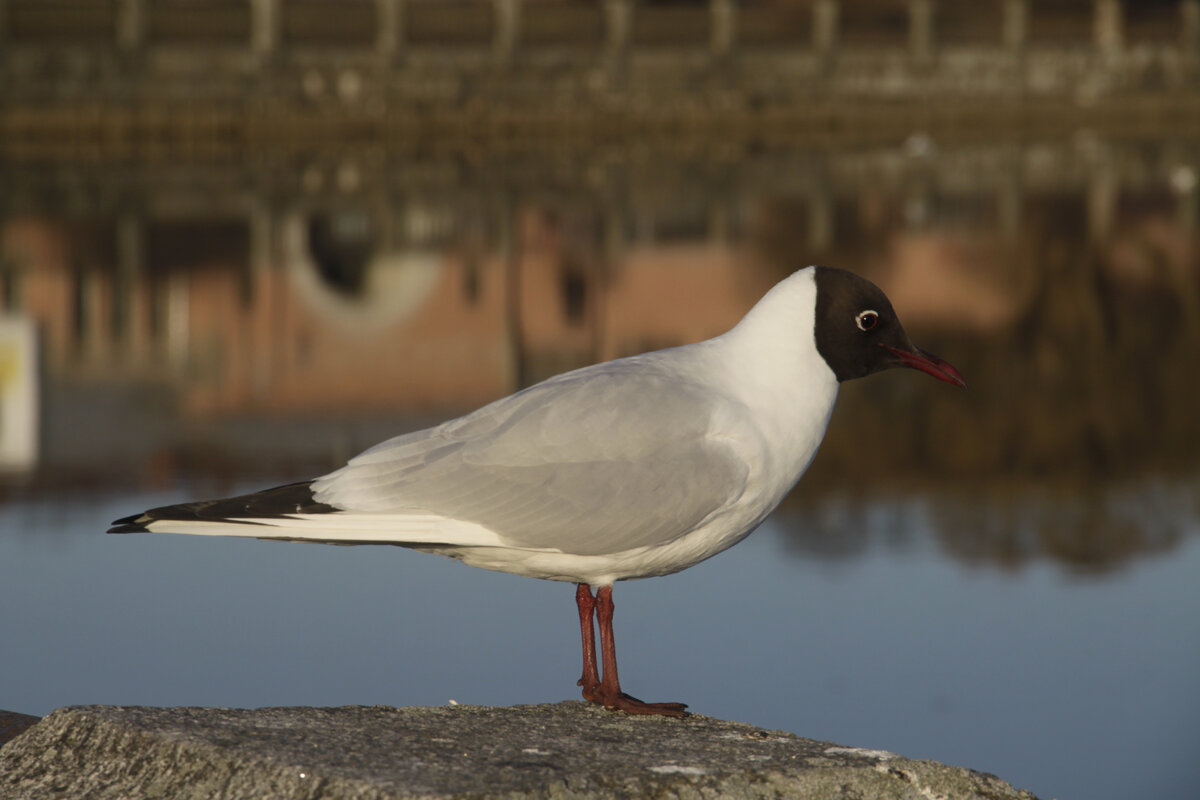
{"points": [[291, 324]]}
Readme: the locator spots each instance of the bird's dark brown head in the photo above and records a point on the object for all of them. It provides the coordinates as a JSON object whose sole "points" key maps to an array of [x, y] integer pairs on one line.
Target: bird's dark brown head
{"points": [[858, 333]]}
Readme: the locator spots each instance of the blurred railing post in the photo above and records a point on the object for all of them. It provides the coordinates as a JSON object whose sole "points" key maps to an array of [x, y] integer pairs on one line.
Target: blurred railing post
{"points": [[175, 309], [918, 197], [825, 29], [389, 36], [618, 19], [1015, 25], [920, 31], [508, 25], [507, 219], [820, 209], [130, 25], [1009, 194], [262, 236], [264, 27], [1187, 203], [613, 245], [1108, 26], [1102, 192], [84, 300], [1189, 23], [724, 27], [130, 269]]}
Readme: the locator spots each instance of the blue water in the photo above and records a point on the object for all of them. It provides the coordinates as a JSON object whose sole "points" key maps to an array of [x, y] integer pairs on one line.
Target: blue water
{"points": [[1070, 686]]}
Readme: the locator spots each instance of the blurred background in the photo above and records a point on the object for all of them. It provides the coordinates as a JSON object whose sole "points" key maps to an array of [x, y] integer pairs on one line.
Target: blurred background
{"points": [[241, 240]]}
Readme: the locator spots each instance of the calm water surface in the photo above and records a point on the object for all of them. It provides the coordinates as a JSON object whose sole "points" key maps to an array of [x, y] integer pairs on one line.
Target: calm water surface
{"points": [[1070, 685], [1002, 577]]}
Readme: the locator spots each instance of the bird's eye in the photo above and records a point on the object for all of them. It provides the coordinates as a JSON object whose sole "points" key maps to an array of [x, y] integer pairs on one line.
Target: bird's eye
{"points": [[866, 320]]}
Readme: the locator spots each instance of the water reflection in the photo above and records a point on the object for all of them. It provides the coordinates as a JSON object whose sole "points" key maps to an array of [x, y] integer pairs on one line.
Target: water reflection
{"points": [[207, 323], [1090, 528]]}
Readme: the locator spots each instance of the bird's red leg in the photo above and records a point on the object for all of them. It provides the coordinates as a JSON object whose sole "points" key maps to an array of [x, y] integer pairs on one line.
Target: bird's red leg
{"points": [[591, 674], [609, 692]]}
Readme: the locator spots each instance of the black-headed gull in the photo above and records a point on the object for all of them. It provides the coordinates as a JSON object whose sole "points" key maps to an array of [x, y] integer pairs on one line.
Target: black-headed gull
{"points": [[632, 468]]}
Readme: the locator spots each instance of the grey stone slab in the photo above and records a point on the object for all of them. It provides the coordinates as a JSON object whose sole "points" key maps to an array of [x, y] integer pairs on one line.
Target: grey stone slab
{"points": [[546, 751]]}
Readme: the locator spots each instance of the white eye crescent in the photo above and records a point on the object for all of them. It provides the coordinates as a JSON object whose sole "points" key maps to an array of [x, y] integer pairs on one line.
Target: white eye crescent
{"points": [[866, 320]]}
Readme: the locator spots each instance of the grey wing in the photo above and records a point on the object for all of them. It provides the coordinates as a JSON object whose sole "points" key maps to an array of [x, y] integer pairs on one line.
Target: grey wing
{"points": [[594, 462]]}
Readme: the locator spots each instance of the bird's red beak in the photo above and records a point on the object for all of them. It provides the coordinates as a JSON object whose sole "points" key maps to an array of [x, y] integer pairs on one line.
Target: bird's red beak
{"points": [[929, 363]]}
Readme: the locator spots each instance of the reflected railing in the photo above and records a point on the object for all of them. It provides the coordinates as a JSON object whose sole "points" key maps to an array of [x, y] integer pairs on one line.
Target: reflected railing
{"points": [[215, 322]]}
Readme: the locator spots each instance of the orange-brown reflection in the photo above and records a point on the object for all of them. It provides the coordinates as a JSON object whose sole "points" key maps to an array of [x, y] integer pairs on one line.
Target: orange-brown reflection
{"points": [[212, 334]]}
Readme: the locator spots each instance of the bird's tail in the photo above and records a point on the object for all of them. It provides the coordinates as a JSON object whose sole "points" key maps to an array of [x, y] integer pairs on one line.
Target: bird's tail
{"points": [[292, 513]]}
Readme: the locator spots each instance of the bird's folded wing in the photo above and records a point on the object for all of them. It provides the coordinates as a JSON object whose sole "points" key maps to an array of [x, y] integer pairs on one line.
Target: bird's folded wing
{"points": [[593, 462]]}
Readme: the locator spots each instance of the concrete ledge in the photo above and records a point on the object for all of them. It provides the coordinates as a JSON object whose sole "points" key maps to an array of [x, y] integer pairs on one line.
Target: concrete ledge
{"points": [[546, 751]]}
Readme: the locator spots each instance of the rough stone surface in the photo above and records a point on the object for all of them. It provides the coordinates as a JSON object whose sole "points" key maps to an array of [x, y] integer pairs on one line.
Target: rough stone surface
{"points": [[545, 751], [13, 724]]}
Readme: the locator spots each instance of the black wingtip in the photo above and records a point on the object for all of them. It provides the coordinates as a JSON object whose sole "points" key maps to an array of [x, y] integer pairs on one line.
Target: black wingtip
{"points": [[282, 501], [129, 524]]}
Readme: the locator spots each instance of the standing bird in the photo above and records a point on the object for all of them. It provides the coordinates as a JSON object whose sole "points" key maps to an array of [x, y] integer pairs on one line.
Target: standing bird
{"points": [[632, 468]]}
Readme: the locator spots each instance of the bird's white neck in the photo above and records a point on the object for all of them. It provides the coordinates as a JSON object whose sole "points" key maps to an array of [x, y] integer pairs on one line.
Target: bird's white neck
{"points": [[775, 369]]}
